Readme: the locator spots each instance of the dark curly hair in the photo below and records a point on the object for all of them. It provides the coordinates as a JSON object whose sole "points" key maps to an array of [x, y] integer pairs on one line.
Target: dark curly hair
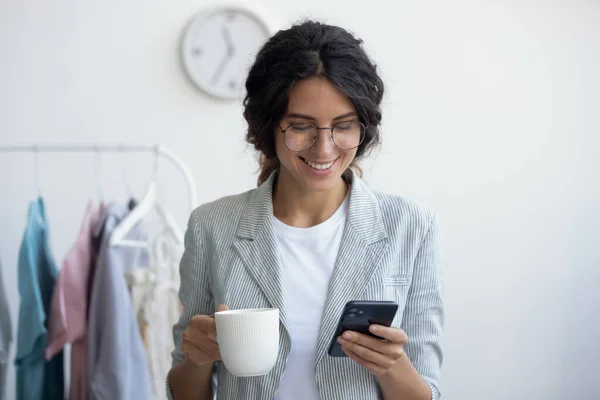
{"points": [[309, 49]]}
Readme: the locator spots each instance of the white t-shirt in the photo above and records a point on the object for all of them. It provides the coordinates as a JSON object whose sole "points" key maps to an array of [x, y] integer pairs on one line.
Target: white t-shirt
{"points": [[308, 257]]}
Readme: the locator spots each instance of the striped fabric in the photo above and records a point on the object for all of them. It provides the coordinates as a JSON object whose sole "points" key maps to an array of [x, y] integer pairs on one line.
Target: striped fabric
{"points": [[389, 251]]}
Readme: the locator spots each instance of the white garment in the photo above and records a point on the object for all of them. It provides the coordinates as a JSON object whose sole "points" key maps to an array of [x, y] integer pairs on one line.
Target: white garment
{"points": [[154, 290], [308, 259]]}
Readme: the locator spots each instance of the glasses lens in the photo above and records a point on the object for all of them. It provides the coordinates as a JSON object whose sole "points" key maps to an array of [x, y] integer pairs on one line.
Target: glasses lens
{"points": [[348, 135], [300, 137]]}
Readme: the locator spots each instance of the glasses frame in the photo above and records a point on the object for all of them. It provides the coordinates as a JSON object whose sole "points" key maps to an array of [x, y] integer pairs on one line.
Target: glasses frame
{"points": [[330, 128]]}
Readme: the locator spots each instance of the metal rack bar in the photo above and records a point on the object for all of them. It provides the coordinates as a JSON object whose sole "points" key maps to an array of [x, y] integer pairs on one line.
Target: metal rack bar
{"points": [[116, 148]]}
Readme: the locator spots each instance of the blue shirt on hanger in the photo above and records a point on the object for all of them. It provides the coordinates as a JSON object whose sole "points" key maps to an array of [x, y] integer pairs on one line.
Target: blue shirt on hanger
{"points": [[37, 273], [5, 336], [117, 364]]}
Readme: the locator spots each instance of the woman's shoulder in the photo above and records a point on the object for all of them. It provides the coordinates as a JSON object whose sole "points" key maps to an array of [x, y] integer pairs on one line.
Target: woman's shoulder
{"points": [[221, 211], [400, 210]]}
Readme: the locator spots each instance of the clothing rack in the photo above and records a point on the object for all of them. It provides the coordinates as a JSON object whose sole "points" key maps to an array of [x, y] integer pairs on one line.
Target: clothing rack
{"points": [[157, 149]]}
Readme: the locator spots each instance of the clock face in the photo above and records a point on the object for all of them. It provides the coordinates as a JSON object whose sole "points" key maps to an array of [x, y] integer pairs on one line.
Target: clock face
{"points": [[218, 48]]}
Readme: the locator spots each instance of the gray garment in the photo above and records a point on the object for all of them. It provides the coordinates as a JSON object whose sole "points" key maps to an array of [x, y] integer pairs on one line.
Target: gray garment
{"points": [[117, 364], [5, 336], [389, 251]]}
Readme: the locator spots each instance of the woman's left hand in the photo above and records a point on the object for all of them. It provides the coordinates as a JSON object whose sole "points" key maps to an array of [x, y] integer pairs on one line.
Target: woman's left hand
{"points": [[378, 356]]}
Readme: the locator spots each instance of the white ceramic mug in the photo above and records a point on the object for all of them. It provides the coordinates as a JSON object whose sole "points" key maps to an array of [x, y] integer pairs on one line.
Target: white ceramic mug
{"points": [[248, 340]]}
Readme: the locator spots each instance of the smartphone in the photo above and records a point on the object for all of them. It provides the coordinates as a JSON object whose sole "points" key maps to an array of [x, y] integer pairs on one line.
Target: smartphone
{"points": [[358, 316]]}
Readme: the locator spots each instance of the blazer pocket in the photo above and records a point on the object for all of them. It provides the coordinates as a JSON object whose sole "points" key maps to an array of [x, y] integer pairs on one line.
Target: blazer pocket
{"points": [[397, 280]]}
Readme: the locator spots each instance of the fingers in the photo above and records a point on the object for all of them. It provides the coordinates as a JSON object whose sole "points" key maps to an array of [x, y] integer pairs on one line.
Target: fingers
{"points": [[368, 354], [371, 348], [212, 337], [374, 368], [206, 352], [200, 338], [209, 325], [203, 323], [222, 307], [365, 341], [395, 335]]}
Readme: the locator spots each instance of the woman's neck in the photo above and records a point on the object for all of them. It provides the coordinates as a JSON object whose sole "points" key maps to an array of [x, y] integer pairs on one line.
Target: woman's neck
{"points": [[296, 207]]}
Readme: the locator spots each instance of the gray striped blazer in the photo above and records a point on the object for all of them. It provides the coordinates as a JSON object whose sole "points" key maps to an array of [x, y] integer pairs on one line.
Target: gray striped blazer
{"points": [[389, 251]]}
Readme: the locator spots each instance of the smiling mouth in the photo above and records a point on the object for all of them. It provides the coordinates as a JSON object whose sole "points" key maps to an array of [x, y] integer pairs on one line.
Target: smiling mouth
{"points": [[319, 166]]}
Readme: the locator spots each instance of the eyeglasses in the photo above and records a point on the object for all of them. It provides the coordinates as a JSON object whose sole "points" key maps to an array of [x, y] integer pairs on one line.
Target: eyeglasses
{"points": [[346, 135]]}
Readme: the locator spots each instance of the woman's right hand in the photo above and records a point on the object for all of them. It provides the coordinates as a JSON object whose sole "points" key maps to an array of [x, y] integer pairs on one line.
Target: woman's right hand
{"points": [[200, 339]]}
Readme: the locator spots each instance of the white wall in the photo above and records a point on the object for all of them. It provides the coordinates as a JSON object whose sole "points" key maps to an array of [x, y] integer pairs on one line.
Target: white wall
{"points": [[491, 117]]}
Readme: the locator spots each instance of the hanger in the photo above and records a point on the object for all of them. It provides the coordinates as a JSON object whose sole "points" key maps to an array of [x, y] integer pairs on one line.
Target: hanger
{"points": [[36, 166], [147, 205], [36, 172], [98, 174], [131, 200]]}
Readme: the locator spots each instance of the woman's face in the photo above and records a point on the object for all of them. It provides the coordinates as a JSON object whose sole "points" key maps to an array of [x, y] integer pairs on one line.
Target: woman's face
{"points": [[319, 168]]}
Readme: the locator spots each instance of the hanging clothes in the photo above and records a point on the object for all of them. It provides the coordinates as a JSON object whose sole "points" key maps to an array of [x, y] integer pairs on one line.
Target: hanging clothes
{"points": [[117, 365], [37, 273], [154, 289], [5, 336], [69, 306]]}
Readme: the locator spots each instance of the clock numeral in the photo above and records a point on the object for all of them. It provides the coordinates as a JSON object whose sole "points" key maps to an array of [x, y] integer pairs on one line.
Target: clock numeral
{"points": [[197, 52]]}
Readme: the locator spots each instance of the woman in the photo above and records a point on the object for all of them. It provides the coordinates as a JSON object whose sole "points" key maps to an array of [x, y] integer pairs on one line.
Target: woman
{"points": [[311, 237]]}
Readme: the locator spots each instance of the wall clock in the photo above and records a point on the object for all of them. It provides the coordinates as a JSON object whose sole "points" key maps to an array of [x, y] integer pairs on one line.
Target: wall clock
{"points": [[219, 45]]}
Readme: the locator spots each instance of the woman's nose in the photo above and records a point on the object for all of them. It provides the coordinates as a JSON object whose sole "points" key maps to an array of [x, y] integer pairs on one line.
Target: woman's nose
{"points": [[324, 144]]}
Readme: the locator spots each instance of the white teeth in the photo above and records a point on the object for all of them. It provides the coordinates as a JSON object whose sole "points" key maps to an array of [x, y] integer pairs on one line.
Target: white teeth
{"points": [[319, 166]]}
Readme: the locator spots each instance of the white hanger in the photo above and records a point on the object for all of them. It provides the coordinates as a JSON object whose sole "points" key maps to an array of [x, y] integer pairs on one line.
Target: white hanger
{"points": [[147, 205]]}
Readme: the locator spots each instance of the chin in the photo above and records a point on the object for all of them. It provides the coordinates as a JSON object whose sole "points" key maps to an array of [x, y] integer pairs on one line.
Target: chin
{"points": [[320, 184]]}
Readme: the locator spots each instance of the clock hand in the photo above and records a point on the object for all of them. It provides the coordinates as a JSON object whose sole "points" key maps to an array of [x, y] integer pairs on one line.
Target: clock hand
{"points": [[228, 55], [220, 69], [228, 40]]}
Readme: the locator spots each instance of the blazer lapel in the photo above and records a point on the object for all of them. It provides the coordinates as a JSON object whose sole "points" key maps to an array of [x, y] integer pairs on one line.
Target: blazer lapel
{"points": [[363, 243], [256, 244]]}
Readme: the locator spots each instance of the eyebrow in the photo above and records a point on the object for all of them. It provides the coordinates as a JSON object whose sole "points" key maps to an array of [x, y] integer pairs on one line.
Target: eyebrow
{"points": [[303, 116]]}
